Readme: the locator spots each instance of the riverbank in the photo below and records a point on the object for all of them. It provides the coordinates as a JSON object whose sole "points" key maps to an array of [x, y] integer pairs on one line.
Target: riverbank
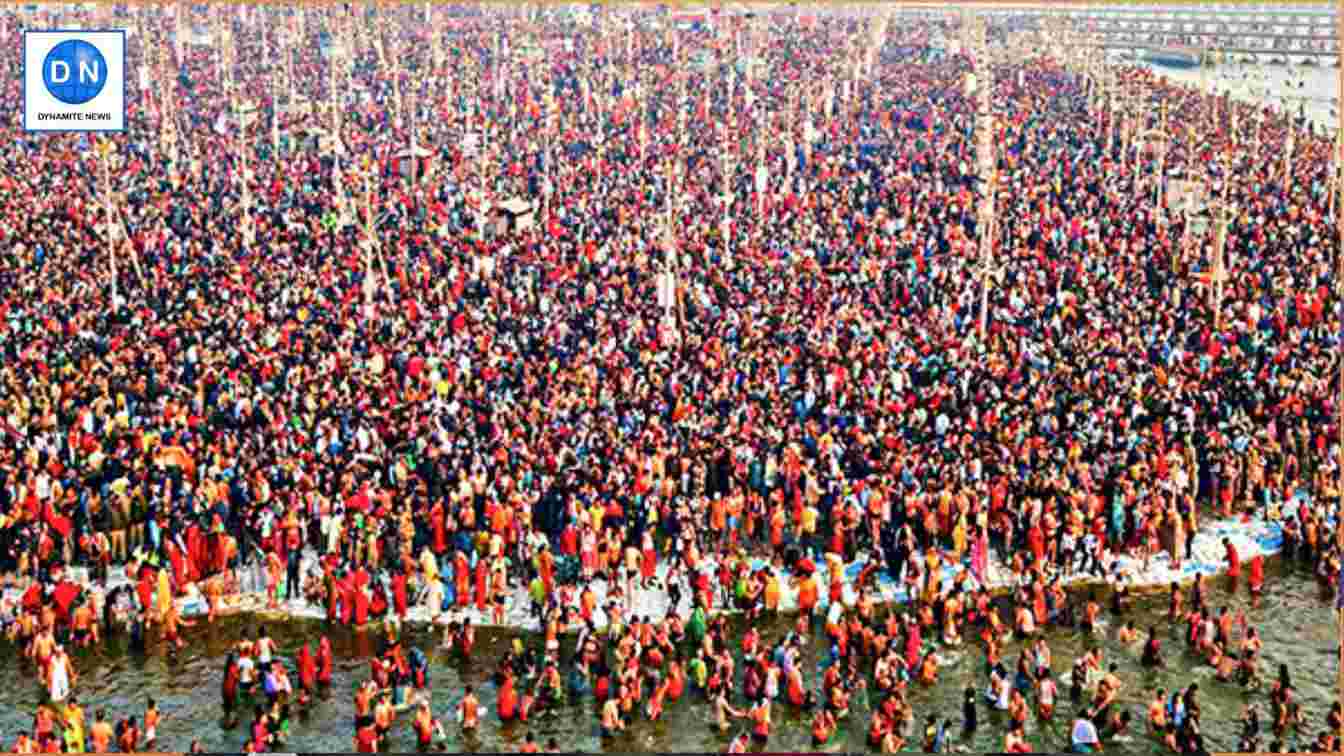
{"points": [[1297, 627], [1250, 536]]}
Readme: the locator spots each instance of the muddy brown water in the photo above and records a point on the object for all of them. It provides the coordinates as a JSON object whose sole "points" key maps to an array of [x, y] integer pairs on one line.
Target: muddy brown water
{"points": [[1296, 623]]}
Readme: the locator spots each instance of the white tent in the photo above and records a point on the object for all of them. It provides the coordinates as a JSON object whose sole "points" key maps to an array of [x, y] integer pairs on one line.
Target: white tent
{"points": [[515, 206], [522, 213], [247, 113]]}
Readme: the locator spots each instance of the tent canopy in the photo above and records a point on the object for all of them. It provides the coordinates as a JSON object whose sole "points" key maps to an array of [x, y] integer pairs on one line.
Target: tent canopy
{"points": [[515, 206]]}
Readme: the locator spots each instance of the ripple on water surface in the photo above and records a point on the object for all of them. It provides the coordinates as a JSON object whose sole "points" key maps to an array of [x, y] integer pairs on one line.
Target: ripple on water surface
{"points": [[1298, 629]]}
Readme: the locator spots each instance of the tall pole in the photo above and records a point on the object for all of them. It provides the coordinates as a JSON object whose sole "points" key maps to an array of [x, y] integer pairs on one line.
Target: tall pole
{"points": [[294, 36], [1161, 162], [395, 54], [275, 111], [985, 157], [1335, 169], [1288, 145], [335, 100], [368, 239], [103, 151], [1219, 265]]}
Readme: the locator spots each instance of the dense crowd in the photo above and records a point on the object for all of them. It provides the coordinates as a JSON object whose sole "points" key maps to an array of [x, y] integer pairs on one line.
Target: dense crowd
{"points": [[483, 408]]}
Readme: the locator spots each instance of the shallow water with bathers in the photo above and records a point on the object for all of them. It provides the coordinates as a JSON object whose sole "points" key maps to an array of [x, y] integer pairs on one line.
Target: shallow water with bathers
{"points": [[1298, 628]]}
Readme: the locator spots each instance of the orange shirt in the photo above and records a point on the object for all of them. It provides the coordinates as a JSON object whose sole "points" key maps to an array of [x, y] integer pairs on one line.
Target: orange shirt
{"points": [[718, 518], [101, 736], [807, 593], [499, 522]]}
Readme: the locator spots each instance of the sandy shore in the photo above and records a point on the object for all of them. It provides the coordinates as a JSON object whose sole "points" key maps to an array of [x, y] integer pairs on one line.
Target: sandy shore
{"points": [[1251, 538]]}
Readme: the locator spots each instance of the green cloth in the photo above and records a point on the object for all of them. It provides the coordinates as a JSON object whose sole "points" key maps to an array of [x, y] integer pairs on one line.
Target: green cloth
{"points": [[696, 627], [698, 671]]}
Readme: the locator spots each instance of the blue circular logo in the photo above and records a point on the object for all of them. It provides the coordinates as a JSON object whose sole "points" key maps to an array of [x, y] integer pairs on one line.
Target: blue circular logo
{"points": [[74, 72]]}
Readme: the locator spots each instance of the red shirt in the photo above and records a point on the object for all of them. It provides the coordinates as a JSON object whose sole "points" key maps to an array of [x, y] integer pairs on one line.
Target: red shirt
{"points": [[1233, 562], [366, 740]]}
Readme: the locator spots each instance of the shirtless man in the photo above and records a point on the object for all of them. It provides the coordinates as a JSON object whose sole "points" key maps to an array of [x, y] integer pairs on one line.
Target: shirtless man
{"points": [[1090, 613], [1107, 690], [172, 621], [44, 643], [612, 722], [83, 627], [384, 715], [213, 595], [264, 647], [723, 710], [469, 712]]}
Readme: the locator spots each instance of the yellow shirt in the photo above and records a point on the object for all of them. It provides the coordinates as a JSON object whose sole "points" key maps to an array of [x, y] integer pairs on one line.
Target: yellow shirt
{"points": [[165, 593], [809, 519], [959, 535], [429, 565], [772, 592]]}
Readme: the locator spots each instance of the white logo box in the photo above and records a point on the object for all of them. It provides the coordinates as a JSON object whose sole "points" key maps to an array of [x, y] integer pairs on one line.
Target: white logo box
{"points": [[105, 112]]}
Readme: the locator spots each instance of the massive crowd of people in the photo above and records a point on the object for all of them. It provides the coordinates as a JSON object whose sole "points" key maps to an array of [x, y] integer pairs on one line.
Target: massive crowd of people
{"points": [[484, 408]]}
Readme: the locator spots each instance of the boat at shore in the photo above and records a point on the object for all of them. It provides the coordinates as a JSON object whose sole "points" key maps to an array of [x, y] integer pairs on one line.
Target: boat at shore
{"points": [[1175, 57]]}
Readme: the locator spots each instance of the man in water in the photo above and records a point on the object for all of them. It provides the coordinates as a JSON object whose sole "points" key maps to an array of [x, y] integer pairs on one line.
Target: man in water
{"points": [[60, 676]]}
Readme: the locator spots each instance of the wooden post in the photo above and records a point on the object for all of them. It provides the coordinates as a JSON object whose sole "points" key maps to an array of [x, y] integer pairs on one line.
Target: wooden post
{"points": [[395, 54], [987, 169], [1162, 163], [372, 251], [275, 112], [1335, 169], [335, 100], [1219, 264], [104, 149], [1288, 158]]}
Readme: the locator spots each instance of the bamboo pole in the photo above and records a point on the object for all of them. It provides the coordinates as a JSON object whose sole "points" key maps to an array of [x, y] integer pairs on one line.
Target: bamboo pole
{"points": [[1289, 143], [104, 150], [1220, 264], [275, 112], [984, 135]]}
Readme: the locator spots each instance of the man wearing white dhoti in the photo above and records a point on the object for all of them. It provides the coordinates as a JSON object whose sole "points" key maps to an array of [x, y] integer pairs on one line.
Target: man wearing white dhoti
{"points": [[58, 685]]}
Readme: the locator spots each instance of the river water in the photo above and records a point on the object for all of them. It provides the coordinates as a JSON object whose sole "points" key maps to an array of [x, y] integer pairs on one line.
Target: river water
{"points": [[1314, 88], [1297, 626]]}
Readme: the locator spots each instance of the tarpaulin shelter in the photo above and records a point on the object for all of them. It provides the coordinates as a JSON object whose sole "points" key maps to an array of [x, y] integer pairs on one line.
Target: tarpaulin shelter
{"points": [[412, 162], [517, 213]]}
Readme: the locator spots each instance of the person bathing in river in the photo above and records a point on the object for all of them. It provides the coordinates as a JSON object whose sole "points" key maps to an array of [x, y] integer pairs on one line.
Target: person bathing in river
{"points": [[1152, 650], [307, 668], [1255, 579], [1046, 694], [426, 727], [152, 720], [229, 689]]}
